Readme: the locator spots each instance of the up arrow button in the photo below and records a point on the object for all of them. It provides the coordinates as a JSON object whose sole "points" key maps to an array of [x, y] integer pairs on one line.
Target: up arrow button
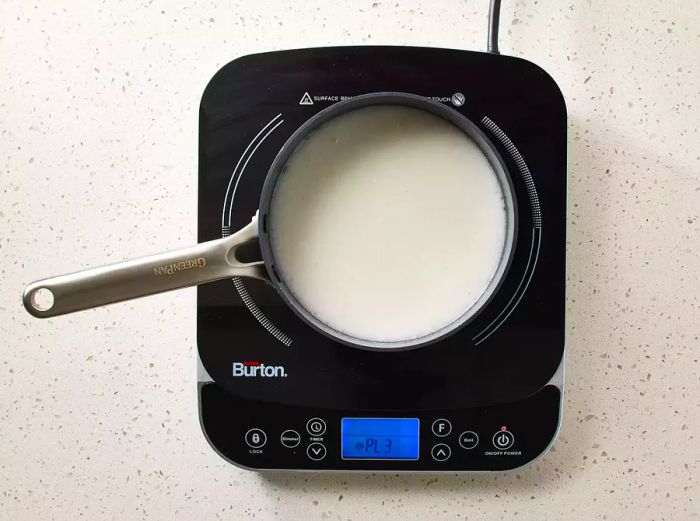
{"points": [[440, 452]]}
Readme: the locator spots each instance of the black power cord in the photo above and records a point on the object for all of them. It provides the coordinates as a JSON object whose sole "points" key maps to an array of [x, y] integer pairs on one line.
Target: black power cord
{"points": [[494, 18]]}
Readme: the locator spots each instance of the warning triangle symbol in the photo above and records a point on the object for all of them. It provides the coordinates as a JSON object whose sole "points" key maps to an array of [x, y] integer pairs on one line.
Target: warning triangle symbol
{"points": [[306, 99]]}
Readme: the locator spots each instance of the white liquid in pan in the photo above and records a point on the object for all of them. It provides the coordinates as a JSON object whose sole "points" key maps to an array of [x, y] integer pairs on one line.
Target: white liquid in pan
{"points": [[388, 223]]}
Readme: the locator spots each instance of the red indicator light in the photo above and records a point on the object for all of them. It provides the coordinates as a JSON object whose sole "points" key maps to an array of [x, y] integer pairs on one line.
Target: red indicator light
{"points": [[504, 428]]}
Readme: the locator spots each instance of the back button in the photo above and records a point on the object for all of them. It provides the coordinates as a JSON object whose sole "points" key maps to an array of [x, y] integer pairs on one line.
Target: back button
{"points": [[468, 440]]}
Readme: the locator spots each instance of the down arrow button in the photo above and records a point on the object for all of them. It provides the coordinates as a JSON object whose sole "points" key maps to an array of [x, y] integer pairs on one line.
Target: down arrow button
{"points": [[316, 451]]}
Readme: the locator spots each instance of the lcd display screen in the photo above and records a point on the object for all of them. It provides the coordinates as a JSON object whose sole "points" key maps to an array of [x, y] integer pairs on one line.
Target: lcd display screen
{"points": [[380, 438]]}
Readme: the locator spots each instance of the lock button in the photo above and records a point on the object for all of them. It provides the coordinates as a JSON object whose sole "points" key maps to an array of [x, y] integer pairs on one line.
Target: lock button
{"points": [[255, 438]]}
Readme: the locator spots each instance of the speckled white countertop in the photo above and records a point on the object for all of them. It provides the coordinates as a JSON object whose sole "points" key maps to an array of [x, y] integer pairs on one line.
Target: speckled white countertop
{"points": [[98, 139]]}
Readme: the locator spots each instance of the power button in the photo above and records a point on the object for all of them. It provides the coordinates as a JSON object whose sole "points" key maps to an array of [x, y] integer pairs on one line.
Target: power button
{"points": [[503, 439]]}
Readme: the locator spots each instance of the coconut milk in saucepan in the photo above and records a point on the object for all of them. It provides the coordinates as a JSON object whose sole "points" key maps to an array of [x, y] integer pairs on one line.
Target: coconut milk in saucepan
{"points": [[388, 223]]}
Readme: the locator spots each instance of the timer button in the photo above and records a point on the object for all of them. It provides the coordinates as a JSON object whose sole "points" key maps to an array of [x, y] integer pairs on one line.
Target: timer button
{"points": [[468, 440], [316, 451], [441, 452], [316, 426], [255, 438], [441, 427], [503, 439]]}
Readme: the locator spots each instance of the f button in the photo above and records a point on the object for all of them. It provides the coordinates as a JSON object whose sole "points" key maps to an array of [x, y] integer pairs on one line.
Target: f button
{"points": [[441, 427]]}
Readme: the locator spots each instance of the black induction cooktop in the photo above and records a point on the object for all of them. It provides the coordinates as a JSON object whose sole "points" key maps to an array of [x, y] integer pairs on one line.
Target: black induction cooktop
{"points": [[276, 394]]}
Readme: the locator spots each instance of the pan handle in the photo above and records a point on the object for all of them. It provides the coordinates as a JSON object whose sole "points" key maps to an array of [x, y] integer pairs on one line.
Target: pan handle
{"points": [[205, 262]]}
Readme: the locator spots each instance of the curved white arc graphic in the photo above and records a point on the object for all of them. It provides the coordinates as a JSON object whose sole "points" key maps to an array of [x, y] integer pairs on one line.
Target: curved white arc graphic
{"points": [[536, 230], [233, 174], [261, 317], [522, 293], [522, 167], [242, 290], [240, 174], [515, 293]]}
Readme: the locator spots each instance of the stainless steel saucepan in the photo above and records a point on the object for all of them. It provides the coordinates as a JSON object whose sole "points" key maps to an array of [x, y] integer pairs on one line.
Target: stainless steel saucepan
{"points": [[215, 260]]}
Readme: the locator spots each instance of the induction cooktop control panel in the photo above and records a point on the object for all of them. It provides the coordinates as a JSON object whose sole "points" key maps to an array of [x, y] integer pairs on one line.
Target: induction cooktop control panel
{"points": [[264, 436]]}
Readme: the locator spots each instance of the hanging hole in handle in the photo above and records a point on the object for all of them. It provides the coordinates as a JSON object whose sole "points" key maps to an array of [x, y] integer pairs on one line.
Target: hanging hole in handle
{"points": [[245, 253], [42, 299]]}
